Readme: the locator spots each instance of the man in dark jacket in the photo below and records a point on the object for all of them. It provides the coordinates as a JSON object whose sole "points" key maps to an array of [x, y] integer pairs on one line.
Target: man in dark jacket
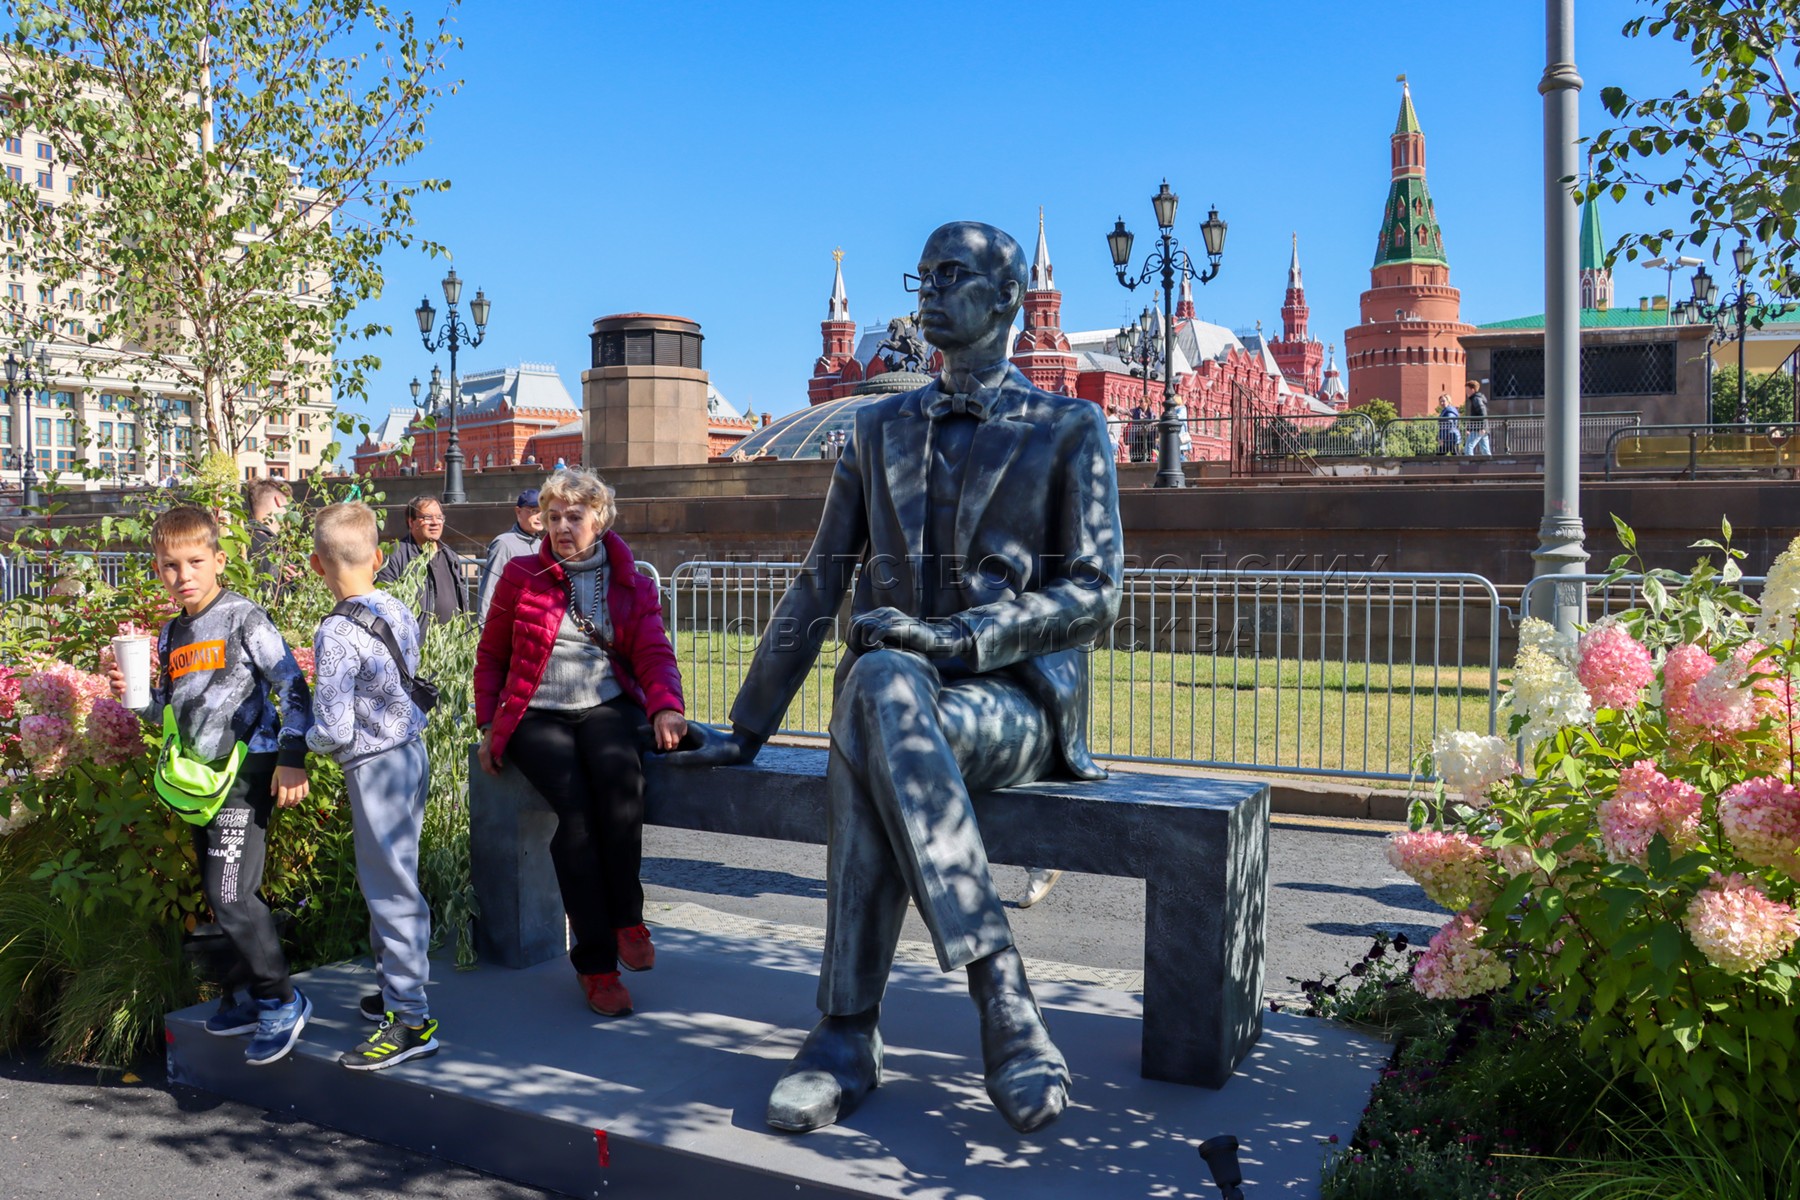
{"points": [[266, 500], [443, 596], [521, 539]]}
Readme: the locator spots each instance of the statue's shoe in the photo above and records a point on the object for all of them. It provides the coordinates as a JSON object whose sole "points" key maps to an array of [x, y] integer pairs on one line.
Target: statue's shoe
{"points": [[1027, 1076], [838, 1065]]}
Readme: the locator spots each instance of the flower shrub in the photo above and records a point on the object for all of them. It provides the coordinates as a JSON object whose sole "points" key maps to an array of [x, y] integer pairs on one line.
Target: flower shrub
{"points": [[1639, 884], [96, 875]]}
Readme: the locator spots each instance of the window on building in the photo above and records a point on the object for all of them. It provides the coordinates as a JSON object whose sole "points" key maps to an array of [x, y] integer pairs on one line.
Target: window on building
{"points": [[43, 431], [1637, 369], [46, 296], [47, 180], [106, 433], [65, 432], [44, 152], [250, 442], [305, 446], [15, 292], [65, 460], [6, 429], [77, 300], [63, 399], [14, 146], [304, 420], [128, 436], [75, 329]]}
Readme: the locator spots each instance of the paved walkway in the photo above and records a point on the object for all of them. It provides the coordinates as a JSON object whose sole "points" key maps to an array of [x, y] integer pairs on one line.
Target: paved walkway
{"points": [[65, 1134]]}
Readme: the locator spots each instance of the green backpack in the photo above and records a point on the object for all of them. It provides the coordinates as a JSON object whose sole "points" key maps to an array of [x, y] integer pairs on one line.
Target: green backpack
{"points": [[193, 789]]}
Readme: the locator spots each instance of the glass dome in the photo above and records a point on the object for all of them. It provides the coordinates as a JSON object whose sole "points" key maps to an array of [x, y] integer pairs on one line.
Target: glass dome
{"points": [[803, 434]]}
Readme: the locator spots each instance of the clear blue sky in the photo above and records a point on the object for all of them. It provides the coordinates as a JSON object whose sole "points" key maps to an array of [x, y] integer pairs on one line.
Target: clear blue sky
{"points": [[705, 158]]}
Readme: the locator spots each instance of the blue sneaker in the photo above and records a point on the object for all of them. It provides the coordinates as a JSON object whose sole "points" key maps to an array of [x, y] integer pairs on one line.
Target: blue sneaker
{"points": [[278, 1029], [235, 1017]]}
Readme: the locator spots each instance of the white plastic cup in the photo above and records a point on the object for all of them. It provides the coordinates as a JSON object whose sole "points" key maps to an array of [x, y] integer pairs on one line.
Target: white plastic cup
{"points": [[132, 653]]}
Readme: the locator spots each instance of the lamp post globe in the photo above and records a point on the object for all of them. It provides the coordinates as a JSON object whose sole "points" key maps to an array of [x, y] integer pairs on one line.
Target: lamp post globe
{"points": [[452, 337], [1167, 263]]}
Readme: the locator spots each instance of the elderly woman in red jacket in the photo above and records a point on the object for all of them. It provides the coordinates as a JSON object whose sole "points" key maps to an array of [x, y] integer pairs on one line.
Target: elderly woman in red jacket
{"points": [[571, 659]]}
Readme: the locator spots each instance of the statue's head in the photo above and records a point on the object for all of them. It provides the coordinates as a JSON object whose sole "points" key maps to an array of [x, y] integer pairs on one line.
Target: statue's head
{"points": [[990, 278]]}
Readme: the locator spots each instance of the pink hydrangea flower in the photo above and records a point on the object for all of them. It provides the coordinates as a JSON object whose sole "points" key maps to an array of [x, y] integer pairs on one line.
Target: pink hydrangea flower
{"points": [[1685, 666], [1738, 927], [60, 690], [45, 741], [304, 656], [1645, 804], [11, 681], [1761, 818], [114, 735], [1456, 966], [1453, 868], [1613, 666]]}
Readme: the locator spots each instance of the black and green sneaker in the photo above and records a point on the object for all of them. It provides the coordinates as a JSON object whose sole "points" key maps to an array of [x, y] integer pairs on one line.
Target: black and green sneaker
{"points": [[392, 1042]]}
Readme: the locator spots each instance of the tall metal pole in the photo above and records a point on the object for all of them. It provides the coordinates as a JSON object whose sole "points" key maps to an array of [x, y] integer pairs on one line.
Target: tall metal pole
{"points": [[1169, 473], [1743, 316], [453, 457], [1560, 550]]}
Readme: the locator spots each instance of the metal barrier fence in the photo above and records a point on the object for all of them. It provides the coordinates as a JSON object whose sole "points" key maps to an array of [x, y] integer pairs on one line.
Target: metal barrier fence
{"points": [[1305, 672], [1419, 437], [1546, 593], [25, 577], [1694, 448], [1136, 440]]}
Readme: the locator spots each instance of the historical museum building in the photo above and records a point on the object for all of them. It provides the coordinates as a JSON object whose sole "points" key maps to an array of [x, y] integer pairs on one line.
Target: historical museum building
{"points": [[1407, 349], [1217, 373]]}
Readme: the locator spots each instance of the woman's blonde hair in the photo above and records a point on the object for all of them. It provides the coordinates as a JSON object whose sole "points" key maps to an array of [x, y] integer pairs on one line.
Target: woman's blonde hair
{"points": [[578, 485]]}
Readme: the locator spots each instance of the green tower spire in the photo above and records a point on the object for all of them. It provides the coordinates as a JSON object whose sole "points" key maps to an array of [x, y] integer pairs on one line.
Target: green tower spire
{"points": [[1593, 246], [1409, 228]]}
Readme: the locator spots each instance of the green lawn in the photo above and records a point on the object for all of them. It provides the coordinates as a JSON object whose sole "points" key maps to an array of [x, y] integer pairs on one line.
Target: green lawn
{"points": [[1280, 714]]}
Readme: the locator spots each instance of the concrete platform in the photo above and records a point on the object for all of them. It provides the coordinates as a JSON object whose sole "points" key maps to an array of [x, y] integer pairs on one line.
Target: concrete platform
{"points": [[532, 1086]]}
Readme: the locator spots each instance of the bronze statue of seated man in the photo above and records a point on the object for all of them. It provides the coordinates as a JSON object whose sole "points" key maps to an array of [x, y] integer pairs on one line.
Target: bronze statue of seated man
{"points": [[984, 513]]}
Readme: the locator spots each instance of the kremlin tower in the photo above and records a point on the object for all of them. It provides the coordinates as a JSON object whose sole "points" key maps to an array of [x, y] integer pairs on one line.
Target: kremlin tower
{"points": [[1298, 356], [1408, 349], [1042, 351], [838, 332]]}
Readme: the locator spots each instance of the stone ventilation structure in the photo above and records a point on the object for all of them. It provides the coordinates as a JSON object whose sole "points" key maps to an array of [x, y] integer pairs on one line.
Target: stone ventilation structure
{"points": [[1407, 349]]}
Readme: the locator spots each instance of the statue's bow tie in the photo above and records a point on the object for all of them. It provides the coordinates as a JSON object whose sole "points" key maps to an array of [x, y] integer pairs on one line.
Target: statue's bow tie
{"points": [[945, 404]]}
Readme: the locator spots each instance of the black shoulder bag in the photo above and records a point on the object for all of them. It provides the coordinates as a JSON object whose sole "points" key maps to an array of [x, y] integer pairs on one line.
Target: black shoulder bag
{"points": [[423, 691]]}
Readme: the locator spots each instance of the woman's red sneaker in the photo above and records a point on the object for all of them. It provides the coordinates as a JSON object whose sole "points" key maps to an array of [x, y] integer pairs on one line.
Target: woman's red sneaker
{"points": [[606, 995], [635, 951]]}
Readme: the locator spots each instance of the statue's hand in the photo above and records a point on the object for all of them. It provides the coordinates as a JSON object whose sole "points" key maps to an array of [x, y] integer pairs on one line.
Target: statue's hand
{"points": [[891, 629], [707, 746]]}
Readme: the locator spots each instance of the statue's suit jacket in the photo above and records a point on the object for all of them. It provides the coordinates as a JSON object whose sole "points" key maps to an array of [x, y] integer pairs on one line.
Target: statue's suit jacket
{"points": [[1037, 530]]}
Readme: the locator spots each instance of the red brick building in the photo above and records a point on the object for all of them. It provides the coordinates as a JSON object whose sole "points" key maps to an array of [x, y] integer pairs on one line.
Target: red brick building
{"points": [[1408, 348], [501, 411], [1217, 373]]}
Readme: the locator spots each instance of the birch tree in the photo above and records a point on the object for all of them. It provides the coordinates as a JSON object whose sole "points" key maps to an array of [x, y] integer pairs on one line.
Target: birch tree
{"points": [[226, 176]]}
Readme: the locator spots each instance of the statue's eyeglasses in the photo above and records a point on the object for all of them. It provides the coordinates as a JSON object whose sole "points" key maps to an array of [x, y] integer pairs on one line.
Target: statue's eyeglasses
{"points": [[943, 277]]}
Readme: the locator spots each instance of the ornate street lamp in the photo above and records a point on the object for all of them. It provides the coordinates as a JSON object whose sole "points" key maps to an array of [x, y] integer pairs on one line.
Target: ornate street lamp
{"points": [[35, 357], [1170, 261], [1142, 345], [453, 336], [1732, 310]]}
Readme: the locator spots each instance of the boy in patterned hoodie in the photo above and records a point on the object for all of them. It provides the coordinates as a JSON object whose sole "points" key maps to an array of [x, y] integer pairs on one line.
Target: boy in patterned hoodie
{"points": [[230, 678], [365, 719]]}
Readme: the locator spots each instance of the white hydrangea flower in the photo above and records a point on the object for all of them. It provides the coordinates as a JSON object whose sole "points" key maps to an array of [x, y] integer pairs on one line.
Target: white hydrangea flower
{"points": [[1781, 597], [1471, 763], [1546, 693], [1535, 634]]}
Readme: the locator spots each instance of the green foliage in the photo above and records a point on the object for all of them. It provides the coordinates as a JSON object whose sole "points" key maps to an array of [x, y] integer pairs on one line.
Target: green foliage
{"points": [[97, 885], [1729, 148], [1377, 410], [1597, 937], [239, 173], [449, 660], [1768, 399]]}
